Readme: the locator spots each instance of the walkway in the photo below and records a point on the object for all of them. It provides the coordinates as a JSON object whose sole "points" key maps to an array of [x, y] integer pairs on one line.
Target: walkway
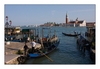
{"points": [[10, 52]]}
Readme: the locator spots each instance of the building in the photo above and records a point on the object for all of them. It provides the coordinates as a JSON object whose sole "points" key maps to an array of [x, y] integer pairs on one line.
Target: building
{"points": [[90, 28], [75, 23], [9, 30], [90, 24]]}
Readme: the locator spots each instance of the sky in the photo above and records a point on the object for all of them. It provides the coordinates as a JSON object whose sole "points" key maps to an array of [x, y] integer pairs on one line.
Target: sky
{"points": [[36, 14]]}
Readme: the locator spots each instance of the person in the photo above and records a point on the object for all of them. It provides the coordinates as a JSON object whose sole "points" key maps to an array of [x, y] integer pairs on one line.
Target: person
{"points": [[33, 43], [75, 32], [25, 49]]}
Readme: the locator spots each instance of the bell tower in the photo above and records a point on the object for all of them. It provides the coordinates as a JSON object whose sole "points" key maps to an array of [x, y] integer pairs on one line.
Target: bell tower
{"points": [[66, 19]]}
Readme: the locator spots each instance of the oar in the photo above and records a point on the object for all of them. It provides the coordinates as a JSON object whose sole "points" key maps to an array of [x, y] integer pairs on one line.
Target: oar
{"points": [[46, 56]]}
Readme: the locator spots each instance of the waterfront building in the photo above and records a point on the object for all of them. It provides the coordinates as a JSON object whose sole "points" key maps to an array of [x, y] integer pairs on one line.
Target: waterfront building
{"points": [[90, 24], [90, 28], [75, 23], [12, 30]]}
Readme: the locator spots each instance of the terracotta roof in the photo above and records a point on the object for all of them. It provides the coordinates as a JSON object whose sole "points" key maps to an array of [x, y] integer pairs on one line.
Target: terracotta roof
{"points": [[72, 22]]}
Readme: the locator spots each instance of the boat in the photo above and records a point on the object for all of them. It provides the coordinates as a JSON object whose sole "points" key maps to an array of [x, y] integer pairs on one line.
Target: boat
{"points": [[83, 43], [74, 35], [48, 44], [44, 51]]}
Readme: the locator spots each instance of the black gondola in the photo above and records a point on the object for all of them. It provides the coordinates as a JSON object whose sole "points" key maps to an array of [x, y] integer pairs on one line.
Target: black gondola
{"points": [[74, 35], [44, 51]]}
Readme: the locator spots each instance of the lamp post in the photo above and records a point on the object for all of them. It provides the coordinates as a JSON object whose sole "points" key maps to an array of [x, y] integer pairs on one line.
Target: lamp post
{"points": [[10, 22], [6, 25], [7, 21]]}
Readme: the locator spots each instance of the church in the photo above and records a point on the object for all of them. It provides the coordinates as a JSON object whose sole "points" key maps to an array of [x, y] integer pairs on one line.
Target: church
{"points": [[75, 23]]}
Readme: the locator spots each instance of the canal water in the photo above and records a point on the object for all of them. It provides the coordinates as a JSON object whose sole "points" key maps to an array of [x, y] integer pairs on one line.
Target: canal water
{"points": [[67, 51]]}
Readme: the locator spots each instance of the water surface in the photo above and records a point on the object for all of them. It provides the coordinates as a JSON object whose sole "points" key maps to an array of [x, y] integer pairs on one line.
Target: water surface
{"points": [[67, 51]]}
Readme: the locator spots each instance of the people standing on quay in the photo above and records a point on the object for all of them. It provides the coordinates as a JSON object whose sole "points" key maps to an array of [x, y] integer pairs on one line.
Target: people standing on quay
{"points": [[25, 49], [33, 43]]}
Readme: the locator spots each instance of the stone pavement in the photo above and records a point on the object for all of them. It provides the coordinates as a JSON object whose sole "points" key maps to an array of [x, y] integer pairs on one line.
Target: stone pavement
{"points": [[11, 59], [10, 51]]}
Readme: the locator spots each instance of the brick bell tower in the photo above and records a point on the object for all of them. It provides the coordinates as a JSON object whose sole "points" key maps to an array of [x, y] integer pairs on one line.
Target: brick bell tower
{"points": [[66, 19]]}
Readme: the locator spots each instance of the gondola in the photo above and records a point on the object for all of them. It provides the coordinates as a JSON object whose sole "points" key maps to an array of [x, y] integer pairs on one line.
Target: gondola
{"points": [[44, 51], [48, 45], [74, 35]]}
